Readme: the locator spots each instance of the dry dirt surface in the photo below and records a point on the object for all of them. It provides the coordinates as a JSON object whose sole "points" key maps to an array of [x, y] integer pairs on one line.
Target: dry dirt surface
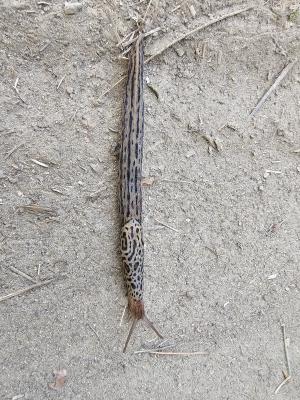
{"points": [[221, 204]]}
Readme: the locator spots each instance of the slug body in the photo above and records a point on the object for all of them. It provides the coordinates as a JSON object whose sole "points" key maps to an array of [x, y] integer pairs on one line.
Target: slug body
{"points": [[131, 158], [132, 244]]}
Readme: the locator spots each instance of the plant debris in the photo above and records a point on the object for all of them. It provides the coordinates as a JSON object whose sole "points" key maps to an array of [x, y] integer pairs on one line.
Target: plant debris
{"points": [[59, 379]]}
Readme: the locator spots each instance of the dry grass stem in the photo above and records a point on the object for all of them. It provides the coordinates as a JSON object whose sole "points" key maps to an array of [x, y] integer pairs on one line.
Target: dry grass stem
{"points": [[277, 82], [25, 290]]}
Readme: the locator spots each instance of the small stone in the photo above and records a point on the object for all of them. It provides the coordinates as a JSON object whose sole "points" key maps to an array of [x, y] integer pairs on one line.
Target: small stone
{"points": [[193, 11], [180, 51], [69, 90], [72, 8], [261, 188], [190, 154]]}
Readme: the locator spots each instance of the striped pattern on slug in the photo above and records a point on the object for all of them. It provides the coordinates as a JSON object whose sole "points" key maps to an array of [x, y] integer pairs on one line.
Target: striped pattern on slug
{"points": [[132, 245], [132, 137]]}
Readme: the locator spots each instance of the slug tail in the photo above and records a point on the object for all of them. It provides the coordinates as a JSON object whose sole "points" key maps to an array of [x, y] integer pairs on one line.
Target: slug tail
{"points": [[136, 308], [137, 311]]}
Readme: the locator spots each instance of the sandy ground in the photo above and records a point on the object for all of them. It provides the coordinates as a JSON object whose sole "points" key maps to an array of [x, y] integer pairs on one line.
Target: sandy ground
{"points": [[226, 278]]}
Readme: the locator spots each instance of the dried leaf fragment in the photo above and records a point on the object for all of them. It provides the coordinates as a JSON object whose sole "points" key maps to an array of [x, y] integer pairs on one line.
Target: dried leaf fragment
{"points": [[59, 379], [153, 90], [146, 182], [36, 209]]}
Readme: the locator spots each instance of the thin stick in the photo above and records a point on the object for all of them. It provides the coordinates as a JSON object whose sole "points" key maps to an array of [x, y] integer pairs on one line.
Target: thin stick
{"points": [[27, 289], [174, 181], [167, 226], [134, 39], [277, 82], [199, 28], [147, 10], [173, 353], [16, 84], [94, 331], [60, 82], [130, 35], [178, 40], [112, 87], [13, 150], [288, 377], [17, 90], [123, 313], [286, 350], [17, 271], [41, 164]]}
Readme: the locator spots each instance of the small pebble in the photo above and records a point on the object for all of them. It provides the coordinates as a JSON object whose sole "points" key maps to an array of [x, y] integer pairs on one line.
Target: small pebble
{"points": [[180, 51], [190, 153], [193, 11], [72, 8], [69, 90]]}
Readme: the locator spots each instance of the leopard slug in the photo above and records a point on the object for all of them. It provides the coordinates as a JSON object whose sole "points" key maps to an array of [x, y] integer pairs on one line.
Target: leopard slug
{"points": [[131, 158]]}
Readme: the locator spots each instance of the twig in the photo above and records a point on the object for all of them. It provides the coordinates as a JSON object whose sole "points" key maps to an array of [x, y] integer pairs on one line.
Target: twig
{"points": [[199, 28], [16, 84], [154, 30], [123, 313], [17, 271], [173, 353], [60, 82], [147, 10], [36, 209], [288, 377], [179, 39], [41, 164], [94, 331], [112, 87], [134, 39], [277, 82], [178, 6], [157, 345], [167, 226], [17, 90], [27, 289], [44, 47], [13, 150], [175, 181], [286, 350]]}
